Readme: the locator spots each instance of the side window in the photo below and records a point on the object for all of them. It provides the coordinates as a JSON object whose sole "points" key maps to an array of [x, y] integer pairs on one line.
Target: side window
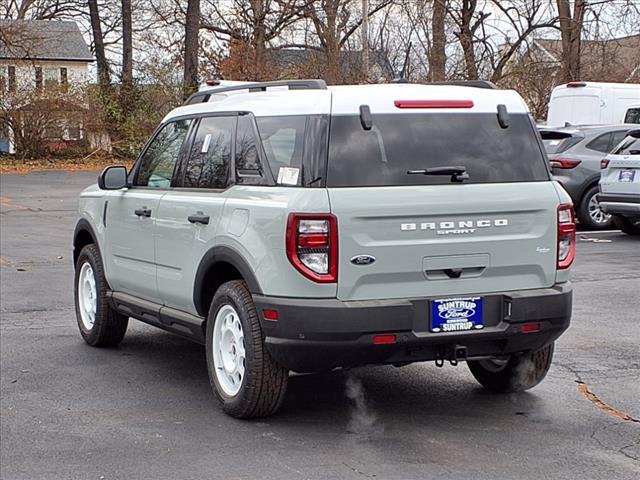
{"points": [[601, 143], [208, 163], [617, 137], [158, 162], [633, 115], [249, 170], [283, 142]]}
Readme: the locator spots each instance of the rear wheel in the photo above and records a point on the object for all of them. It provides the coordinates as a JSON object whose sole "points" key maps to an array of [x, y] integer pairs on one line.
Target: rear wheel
{"points": [[590, 214], [99, 324], [630, 226], [514, 373], [246, 380]]}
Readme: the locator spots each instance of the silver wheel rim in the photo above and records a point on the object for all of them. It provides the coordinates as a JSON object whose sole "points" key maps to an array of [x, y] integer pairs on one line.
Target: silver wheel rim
{"points": [[596, 213], [87, 296], [494, 365], [228, 350]]}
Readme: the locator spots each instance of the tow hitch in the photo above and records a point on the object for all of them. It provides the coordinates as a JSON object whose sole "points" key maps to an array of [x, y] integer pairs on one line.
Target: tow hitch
{"points": [[452, 353]]}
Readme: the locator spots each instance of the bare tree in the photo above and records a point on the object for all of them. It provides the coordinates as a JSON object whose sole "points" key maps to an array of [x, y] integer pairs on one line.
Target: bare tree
{"points": [[571, 25], [437, 60], [104, 76], [192, 28]]}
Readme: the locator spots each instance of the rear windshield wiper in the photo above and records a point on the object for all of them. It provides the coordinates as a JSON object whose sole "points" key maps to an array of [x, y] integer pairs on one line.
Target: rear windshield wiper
{"points": [[458, 173]]}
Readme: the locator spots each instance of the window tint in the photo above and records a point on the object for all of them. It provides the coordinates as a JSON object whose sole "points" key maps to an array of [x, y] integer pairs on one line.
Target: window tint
{"points": [[398, 143], [208, 163], [283, 141], [633, 115], [631, 146], [601, 143], [157, 165], [559, 145], [617, 137], [249, 170]]}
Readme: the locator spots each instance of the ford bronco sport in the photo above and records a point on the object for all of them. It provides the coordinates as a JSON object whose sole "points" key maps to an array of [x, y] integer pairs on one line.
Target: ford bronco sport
{"points": [[291, 226]]}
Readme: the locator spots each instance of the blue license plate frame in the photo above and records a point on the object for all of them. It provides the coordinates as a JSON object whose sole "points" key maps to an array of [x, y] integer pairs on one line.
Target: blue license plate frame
{"points": [[458, 314]]}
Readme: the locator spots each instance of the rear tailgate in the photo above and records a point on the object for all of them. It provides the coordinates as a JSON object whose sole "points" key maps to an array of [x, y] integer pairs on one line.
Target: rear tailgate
{"points": [[496, 237], [622, 175]]}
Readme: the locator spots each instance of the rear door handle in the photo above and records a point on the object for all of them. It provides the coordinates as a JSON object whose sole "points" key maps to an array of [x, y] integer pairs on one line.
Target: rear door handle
{"points": [[199, 218], [142, 212]]}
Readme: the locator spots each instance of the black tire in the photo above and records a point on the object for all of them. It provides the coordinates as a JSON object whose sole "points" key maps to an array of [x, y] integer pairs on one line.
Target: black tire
{"points": [[109, 326], [520, 372], [627, 225], [264, 383], [582, 212]]}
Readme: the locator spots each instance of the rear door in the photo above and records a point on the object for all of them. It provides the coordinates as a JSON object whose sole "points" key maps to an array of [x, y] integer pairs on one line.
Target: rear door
{"points": [[429, 235], [622, 175]]}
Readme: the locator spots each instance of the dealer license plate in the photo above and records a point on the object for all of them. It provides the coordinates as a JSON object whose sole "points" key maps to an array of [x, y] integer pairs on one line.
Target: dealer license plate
{"points": [[456, 314], [626, 176]]}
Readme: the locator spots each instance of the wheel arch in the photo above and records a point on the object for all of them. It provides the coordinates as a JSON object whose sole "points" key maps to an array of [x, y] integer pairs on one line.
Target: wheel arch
{"points": [[83, 235], [219, 265]]}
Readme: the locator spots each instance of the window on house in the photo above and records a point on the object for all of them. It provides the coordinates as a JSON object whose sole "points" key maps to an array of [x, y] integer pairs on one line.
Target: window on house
{"points": [[38, 77], [63, 76], [53, 130], [73, 131], [11, 74], [51, 76]]}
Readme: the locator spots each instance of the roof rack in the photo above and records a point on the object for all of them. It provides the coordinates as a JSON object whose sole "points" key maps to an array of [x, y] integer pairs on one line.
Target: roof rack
{"points": [[469, 83], [204, 95]]}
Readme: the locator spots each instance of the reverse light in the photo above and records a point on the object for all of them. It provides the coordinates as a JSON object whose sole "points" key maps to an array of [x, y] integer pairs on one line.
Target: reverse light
{"points": [[604, 163], [564, 163], [566, 236], [433, 103], [312, 246]]}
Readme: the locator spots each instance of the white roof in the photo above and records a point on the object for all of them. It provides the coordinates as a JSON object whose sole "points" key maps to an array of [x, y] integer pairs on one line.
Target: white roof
{"points": [[346, 100]]}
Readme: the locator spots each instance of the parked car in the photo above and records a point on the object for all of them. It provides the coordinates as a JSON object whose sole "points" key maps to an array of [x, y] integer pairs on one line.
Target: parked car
{"points": [[620, 184], [574, 155], [591, 103], [293, 226]]}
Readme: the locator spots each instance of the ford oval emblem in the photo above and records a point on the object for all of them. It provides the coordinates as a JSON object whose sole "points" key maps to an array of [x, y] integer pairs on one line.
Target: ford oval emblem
{"points": [[363, 260]]}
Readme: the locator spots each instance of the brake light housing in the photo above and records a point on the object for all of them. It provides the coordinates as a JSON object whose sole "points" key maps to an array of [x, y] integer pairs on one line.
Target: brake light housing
{"points": [[566, 236], [564, 163], [312, 245], [604, 163]]}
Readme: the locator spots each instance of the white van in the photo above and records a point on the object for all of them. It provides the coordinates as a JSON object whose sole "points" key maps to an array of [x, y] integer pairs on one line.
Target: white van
{"points": [[591, 103]]}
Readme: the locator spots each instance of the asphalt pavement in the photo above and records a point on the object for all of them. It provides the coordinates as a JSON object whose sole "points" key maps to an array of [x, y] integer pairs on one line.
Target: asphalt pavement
{"points": [[145, 409]]}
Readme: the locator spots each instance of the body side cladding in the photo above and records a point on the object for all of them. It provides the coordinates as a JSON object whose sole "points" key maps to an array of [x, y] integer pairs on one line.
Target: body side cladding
{"points": [[82, 236], [220, 255]]}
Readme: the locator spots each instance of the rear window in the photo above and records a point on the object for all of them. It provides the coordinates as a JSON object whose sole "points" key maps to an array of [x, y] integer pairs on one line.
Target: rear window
{"points": [[633, 115], [630, 146], [398, 143]]}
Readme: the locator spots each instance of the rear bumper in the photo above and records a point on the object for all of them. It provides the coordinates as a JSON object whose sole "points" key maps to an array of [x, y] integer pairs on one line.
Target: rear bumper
{"points": [[619, 204], [316, 335]]}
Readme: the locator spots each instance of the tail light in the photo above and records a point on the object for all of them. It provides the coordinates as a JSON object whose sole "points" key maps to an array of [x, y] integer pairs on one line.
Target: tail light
{"points": [[566, 236], [443, 103], [312, 246], [576, 84], [604, 163], [564, 163]]}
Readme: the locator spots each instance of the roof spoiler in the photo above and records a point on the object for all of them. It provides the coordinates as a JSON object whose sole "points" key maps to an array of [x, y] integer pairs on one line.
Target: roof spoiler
{"points": [[204, 95]]}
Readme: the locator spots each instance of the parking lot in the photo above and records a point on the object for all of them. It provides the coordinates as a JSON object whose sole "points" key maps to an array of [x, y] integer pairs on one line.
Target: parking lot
{"points": [[145, 409]]}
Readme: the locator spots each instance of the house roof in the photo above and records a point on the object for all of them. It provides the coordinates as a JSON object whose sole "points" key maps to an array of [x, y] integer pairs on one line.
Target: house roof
{"points": [[42, 40], [601, 59]]}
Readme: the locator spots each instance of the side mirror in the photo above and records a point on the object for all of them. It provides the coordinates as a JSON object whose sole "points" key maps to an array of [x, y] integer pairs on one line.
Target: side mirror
{"points": [[113, 178]]}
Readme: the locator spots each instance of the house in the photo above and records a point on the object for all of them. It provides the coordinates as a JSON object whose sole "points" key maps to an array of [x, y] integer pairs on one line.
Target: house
{"points": [[37, 57]]}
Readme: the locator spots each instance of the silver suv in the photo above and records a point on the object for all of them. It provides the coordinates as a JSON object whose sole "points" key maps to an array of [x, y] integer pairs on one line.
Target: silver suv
{"points": [[289, 226]]}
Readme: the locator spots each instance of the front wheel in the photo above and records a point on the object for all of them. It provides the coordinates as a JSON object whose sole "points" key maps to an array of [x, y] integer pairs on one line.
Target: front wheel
{"points": [[246, 380], [99, 324], [514, 373]]}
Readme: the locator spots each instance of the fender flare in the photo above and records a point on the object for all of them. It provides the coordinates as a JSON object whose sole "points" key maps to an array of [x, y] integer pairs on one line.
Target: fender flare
{"points": [[223, 253], [83, 225]]}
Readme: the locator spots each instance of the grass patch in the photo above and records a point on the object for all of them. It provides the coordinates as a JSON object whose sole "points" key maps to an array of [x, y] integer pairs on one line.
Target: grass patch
{"points": [[9, 165]]}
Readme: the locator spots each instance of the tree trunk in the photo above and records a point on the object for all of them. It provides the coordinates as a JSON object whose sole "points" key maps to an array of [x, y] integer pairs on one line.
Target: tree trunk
{"points": [[571, 33], [437, 60], [104, 77], [127, 46], [332, 49], [192, 27], [365, 40], [466, 38]]}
